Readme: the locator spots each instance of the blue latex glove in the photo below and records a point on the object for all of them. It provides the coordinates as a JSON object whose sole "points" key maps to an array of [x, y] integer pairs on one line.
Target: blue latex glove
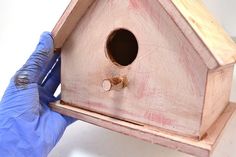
{"points": [[28, 127]]}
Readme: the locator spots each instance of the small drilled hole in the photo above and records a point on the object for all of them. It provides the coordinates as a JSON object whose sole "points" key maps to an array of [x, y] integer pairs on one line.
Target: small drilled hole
{"points": [[122, 47]]}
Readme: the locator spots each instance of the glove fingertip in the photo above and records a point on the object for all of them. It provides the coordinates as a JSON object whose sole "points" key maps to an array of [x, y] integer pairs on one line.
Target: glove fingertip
{"points": [[45, 43]]}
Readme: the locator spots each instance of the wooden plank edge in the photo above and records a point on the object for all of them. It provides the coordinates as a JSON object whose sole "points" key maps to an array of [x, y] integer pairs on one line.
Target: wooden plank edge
{"points": [[202, 148], [193, 37], [67, 22], [220, 59]]}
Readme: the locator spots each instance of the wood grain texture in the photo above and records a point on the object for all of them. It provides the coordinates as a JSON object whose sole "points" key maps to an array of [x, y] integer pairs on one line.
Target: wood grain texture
{"points": [[166, 81], [203, 148], [217, 95], [66, 24], [192, 17], [219, 43]]}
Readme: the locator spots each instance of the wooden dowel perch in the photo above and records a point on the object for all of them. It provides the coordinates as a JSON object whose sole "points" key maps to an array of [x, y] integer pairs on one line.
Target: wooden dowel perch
{"points": [[115, 83]]}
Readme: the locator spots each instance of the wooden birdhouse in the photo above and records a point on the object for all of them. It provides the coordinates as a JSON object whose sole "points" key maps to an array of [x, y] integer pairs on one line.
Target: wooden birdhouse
{"points": [[159, 70]]}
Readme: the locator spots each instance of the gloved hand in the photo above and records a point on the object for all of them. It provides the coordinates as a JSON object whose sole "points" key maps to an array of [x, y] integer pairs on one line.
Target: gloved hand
{"points": [[28, 127]]}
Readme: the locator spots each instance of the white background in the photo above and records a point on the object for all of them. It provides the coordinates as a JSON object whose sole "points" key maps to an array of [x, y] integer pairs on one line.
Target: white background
{"points": [[22, 22]]}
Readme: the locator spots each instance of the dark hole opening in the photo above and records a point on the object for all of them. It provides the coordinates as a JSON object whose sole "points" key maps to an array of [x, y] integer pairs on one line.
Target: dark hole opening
{"points": [[122, 47]]}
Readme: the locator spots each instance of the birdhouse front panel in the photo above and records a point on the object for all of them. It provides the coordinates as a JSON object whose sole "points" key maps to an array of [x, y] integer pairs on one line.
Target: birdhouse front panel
{"points": [[158, 70], [139, 42]]}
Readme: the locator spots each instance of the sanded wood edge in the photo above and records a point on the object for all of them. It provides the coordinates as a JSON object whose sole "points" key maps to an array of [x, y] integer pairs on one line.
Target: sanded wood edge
{"points": [[208, 30], [190, 34], [202, 148], [66, 24]]}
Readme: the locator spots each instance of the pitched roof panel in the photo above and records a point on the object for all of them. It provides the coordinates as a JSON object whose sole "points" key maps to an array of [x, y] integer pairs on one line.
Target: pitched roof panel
{"points": [[218, 42]]}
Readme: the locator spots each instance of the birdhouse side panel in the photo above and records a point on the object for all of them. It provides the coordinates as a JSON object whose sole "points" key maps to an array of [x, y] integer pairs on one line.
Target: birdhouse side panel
{"points": [[217, 95], [166, 81]]}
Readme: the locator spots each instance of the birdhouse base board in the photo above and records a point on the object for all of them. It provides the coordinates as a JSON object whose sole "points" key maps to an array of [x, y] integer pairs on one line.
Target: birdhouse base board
{"points": [[213, 144]]}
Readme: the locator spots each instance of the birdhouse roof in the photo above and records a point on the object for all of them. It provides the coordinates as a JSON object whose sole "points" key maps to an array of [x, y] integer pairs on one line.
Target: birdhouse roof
{"points": [[207, 37]]}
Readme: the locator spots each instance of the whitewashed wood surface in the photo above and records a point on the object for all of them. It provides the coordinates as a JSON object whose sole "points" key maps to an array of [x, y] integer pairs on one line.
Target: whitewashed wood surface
{"points": [[21, 23]]}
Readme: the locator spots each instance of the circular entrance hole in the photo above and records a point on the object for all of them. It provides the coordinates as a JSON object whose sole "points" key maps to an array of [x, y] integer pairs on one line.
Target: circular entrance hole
{"points": [[122, 47]]}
